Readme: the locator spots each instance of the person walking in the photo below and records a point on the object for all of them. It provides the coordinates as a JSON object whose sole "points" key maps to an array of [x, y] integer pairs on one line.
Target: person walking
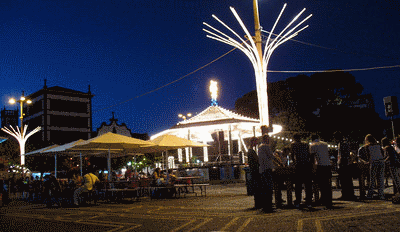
{"points": [[345, 172], [377, 167], [319, 150], [254, 182], [301, 156], [392, 159], [266, 159]]}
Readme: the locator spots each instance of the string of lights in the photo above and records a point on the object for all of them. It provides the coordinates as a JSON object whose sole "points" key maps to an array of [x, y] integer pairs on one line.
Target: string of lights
{"points": [[291, 140], [271, 71]]}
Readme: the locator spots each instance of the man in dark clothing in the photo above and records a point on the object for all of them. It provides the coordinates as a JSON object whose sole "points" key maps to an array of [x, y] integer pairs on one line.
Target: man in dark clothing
{"points": [[254, 167], [345, 172], [266, 161], [52, 190], [303, 170]]}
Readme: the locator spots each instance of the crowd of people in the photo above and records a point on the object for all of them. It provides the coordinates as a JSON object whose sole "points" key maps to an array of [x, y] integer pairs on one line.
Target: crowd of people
{"points": [[70, 190], [311, 167], [48, 189]]}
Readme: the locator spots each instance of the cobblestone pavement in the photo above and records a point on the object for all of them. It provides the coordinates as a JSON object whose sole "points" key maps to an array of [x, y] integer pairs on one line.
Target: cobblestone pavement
{"points": [[225, 208]]}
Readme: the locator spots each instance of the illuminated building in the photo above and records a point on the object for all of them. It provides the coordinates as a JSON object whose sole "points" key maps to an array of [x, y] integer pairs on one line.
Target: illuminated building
{"points": [[214, 120]]}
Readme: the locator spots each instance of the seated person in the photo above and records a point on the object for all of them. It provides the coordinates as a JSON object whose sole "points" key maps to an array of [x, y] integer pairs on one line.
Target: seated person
{"points": [[157, 176], [171, 181], [171, 177], [89, 182]]}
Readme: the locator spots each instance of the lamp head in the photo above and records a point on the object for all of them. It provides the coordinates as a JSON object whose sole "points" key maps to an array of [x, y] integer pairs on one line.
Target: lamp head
{"points": [[12, 101]]}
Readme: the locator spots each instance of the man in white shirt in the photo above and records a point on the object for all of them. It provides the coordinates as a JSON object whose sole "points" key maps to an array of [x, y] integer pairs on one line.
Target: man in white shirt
{"points": [[319, 150], [266, 158]]}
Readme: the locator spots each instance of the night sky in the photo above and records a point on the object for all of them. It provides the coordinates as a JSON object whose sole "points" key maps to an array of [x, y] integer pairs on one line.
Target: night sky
{"points": [[127, 50]]}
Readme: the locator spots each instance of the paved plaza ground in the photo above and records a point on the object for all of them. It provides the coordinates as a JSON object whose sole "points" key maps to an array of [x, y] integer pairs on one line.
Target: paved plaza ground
{"points": [[225, 208]]}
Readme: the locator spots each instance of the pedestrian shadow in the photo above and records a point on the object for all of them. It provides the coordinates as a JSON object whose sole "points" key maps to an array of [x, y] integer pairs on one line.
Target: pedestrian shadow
{"points": [[251, 209]]}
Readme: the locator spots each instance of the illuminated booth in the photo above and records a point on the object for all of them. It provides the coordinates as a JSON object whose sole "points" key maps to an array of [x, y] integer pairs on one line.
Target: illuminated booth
{"points": [[224, 130]]}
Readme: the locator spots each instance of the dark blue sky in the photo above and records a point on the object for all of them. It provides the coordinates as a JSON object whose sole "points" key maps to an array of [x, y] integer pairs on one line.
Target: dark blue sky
{"points": [[125, 49]]}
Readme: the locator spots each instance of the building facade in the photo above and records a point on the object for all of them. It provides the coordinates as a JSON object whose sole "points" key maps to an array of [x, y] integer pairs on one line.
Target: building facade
{"points": [[64, 115], [9, 118], [120, 129]]}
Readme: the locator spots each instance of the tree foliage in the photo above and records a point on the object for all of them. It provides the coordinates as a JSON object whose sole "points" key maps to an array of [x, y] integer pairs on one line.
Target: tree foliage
{"points": [[331, 104]]}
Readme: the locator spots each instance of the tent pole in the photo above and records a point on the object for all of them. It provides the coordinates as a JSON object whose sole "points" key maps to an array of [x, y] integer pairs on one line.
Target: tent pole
{"points": [[166, 154], [109, 164], [55, 165], [80, 157], [135, 165]]}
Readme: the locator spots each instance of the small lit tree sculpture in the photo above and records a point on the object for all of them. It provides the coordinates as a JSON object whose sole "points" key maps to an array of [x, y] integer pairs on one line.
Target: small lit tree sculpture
{"points": [[21, 137]]}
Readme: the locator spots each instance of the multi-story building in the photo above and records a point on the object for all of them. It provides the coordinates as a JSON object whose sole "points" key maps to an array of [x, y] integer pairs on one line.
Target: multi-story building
{"points": [[63, 114]]}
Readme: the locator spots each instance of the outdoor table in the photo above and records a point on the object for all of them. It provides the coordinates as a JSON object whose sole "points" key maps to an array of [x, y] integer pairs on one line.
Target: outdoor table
{"points": [[188, 181], [118, 190]]}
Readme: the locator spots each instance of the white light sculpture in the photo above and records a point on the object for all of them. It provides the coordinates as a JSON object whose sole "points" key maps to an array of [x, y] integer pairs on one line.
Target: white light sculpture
{"points": [[257, 57], [214, 92], [21, 137]]}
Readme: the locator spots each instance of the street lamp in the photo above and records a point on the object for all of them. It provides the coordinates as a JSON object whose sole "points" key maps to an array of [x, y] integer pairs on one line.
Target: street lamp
{"points": [[21, 135], [184, 117], [21, 102]]}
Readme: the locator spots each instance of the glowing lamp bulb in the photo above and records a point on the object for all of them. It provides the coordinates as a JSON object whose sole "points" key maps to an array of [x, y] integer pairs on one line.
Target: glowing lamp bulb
{"points": [[12, 101], [29, 101], [22, 98], [214, 89]]}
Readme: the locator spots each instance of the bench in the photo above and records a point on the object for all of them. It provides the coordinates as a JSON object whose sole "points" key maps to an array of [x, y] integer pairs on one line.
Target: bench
{"points": [[179, 188], [119, 194]]}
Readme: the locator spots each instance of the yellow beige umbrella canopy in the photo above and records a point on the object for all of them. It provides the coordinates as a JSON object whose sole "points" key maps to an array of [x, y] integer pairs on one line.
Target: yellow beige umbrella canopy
{"points": [[111, 141], [171, 142]]}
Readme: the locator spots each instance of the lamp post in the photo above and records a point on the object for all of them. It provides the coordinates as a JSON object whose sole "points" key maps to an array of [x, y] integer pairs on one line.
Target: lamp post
{"points": [[20, 134], [252, 48], [21, 102]]}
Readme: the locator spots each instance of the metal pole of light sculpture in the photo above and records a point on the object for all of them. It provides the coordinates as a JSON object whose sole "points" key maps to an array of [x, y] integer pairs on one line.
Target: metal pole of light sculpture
{"points": [[252, 48], [21, 137]]}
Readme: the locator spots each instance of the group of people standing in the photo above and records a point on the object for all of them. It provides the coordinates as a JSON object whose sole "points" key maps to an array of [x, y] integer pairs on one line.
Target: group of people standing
{"points": [[313, 170]]}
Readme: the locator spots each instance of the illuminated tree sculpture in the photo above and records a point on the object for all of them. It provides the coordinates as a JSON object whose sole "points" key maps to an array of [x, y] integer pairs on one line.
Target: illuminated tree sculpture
{"points": [[21, 137], [252, 48]]}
